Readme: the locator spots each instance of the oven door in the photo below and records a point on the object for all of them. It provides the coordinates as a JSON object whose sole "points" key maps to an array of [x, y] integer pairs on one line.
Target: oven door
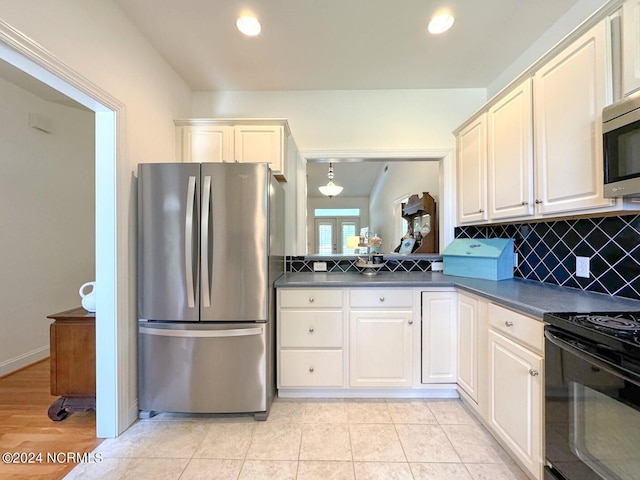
{"points": [[592, 412]]}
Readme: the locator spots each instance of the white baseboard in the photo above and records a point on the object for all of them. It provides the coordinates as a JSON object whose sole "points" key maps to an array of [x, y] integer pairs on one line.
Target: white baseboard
{"points": [[24, 360], [436, 391]]}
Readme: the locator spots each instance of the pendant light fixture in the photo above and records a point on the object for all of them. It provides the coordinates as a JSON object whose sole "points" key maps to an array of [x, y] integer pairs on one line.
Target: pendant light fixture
{"points": [[330, 189]]}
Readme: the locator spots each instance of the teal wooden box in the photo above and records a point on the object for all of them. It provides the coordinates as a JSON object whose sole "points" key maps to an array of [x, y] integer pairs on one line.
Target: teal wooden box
{"points": [[488, 258]]}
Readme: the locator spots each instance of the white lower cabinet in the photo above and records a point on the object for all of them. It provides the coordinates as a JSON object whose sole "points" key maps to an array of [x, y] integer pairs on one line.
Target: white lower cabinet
{"points": [[439, 337], [310, 368], [516, 386], [354, 339], [310, 338], [468, 345], [380, 337], [380, 348]]}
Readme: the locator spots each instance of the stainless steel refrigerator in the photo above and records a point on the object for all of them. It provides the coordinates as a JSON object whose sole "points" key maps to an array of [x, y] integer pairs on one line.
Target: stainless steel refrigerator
{"points": [[210, 245]]}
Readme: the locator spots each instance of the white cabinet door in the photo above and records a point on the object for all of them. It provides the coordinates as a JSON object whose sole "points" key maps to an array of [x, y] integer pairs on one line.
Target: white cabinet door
{"points": [[439, 337], [630, 46], [510, 154], [569, 94], [260, 143], [205, 143], [472, 172], [468, 345], [380, 348], [515, 399]]}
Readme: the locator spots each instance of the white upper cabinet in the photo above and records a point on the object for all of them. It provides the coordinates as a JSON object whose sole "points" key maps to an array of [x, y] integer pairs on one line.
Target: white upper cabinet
{"points": [[569, 94], [540, 154], [472, 172], [510, 154], [630, 46], [234, 140], [259, 143], [205, 143]]}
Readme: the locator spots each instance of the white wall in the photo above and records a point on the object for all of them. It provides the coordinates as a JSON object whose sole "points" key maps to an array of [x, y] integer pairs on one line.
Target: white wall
{"points": [[564, 26], [47, 213], [353, 119], [97, 41], [401, 179], [344, 120]]}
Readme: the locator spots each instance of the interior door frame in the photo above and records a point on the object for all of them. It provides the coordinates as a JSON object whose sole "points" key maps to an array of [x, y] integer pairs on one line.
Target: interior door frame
{"points": [[114, 413]]}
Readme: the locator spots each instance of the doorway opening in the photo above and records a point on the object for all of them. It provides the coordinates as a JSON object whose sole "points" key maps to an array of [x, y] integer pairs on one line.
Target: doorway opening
{"points": [[112, 415]]}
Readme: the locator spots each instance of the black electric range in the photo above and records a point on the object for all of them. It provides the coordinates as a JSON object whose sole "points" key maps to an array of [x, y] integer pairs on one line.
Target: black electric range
{"points": [[592, 395], [614, 332]]}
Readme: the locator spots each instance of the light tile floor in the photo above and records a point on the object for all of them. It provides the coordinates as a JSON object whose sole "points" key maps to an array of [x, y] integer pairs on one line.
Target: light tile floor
{"points": [[373, 439]]}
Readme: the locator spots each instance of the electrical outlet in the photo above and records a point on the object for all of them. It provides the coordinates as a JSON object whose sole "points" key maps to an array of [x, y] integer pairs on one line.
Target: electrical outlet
{"points": [[437, 266], [515, 259], [319, 266], [582, 267]]}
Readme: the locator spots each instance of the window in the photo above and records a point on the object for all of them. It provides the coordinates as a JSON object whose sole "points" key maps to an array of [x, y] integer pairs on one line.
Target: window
{"points": [[332, 227], [336, 212]]}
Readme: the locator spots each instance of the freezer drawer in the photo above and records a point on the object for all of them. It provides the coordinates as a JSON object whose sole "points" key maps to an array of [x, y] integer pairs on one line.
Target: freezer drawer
{"points": [[202, 368]]}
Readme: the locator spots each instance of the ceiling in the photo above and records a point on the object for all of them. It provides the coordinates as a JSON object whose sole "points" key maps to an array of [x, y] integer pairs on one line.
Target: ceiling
{"points": [[357, 178], [332, 45], [340, 44]]}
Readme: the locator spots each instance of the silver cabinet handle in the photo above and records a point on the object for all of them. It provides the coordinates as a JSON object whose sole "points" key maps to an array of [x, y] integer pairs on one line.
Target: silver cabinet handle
{"points": [[311, 369], [311, 299], [410, 322], [381, 299], [481, 211], [538, 202], [508, 323], [525, 203], [311, 330], [533, 373], [188, 242]]}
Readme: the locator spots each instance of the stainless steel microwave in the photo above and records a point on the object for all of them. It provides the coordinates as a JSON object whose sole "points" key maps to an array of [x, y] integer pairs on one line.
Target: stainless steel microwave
{"points": [[621, 143]]}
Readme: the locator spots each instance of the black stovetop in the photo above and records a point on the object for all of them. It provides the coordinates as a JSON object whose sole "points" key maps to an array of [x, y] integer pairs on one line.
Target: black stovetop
{"points": [[616, 331]]}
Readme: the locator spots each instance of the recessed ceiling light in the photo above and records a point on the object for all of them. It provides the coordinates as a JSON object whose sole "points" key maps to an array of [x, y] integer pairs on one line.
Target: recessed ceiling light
{"points": [[249, 25], [440, 23]]}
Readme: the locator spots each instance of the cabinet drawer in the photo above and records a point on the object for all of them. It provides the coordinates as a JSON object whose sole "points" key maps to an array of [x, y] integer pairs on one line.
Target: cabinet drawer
{"points": [[381, 298], [317, 298], [303, 328], [311, 368], [520, 327]]}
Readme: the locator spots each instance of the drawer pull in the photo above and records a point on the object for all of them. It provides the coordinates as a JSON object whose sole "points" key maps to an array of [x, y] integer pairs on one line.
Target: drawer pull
{"points": [[533, 373], [311, 369], [382, 299], [508, 323], [311, 329], [311, 299], [410, 322]]}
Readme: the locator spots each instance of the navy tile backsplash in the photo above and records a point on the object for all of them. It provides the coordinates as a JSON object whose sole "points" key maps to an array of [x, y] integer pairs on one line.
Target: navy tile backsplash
{"points": [[302, 264], [547, 251]]}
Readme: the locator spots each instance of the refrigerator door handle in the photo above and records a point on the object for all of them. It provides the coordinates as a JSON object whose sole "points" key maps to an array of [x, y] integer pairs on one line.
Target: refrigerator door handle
{"points": [[204, 242], [235, 332], [188, 242]]}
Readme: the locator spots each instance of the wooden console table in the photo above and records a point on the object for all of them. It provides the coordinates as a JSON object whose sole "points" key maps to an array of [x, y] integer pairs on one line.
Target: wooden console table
{"points": [[73, 362]]}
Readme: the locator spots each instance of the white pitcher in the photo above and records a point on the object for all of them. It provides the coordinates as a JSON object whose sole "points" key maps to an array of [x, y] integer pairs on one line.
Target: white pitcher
{"points": [[88, 299]]}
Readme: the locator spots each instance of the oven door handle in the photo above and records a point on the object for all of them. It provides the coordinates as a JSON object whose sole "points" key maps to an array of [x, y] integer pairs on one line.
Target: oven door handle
{"points": [[593, 359]]}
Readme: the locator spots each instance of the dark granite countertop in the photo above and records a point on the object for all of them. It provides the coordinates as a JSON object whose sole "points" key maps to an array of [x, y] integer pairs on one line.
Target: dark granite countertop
{"points": [[533, 298]]}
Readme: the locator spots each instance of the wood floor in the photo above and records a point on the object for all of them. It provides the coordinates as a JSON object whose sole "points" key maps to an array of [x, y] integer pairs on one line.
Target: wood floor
{"points": [[25, 427]]}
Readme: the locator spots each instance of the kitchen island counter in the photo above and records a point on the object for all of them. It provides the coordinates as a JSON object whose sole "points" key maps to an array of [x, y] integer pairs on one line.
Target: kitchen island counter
{"points": [[533, 298]]}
